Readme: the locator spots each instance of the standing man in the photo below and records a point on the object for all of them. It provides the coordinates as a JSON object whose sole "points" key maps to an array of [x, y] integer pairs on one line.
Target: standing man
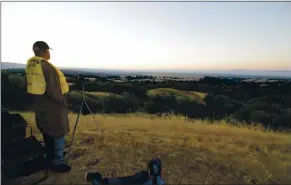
{"points": [[48, 85]]}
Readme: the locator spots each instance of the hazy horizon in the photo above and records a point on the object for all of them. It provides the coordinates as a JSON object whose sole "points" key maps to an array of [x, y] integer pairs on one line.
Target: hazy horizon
{"points": [[151, 36]]}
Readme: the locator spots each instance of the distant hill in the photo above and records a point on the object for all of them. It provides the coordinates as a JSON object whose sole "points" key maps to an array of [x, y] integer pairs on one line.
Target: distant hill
{"points": [[9, 65], [16, 67], [73, 71], [256, 74]]}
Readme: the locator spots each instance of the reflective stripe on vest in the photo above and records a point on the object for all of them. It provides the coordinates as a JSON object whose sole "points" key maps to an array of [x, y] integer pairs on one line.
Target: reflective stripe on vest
{"points": [[35, 79]]}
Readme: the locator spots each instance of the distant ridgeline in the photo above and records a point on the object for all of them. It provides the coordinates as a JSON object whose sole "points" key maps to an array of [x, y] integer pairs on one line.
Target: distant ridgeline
{"points": [[234, 99], [67, 72], [72, 72]]}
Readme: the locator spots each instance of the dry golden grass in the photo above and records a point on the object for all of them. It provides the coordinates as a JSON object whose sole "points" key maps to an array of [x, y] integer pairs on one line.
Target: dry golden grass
{"points": [[192, 152], [200, 94], [101, 94], [77, 95], [192, 95]]}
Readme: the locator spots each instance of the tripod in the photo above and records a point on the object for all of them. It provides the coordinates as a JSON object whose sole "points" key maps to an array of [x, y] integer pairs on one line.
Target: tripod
{"points": [[73, 136]]}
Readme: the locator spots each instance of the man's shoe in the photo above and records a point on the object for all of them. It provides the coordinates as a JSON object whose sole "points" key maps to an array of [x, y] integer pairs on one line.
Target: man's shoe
{"points": [[62, 168]]}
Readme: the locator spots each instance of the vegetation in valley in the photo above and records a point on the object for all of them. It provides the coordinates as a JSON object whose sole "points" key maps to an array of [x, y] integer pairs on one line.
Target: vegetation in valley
{"points": [[233, 99]]}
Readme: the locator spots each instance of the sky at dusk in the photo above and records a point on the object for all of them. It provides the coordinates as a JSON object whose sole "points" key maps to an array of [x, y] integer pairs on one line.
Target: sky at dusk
{"points": [[214, 36]]}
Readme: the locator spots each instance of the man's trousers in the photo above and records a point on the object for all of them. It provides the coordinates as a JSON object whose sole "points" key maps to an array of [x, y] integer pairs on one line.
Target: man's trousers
{"points": [[54, 148]]}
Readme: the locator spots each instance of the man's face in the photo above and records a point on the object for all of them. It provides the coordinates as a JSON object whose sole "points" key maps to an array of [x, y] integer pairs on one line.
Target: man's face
{"points": [[47, 54]]}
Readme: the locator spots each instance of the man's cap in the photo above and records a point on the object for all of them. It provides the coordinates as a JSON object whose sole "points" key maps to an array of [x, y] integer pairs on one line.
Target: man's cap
{"points": [[40, 46]]}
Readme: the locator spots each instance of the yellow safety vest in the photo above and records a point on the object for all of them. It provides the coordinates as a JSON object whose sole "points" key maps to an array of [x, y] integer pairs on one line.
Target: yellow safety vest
{"points": [[35, 79]]}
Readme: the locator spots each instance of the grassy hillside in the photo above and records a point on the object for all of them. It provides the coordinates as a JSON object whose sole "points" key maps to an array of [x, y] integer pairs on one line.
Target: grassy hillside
{"points": [[192, 95], [191, 151], [91, 95]]}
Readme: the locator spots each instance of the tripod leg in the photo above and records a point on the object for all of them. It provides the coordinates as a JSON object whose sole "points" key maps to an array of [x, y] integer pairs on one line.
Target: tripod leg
{"points": [[89, 109], [73, 136]]}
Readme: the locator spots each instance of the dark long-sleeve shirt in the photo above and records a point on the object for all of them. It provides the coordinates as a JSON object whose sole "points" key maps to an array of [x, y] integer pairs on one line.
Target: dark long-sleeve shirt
{"points": [[50, 108]]}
